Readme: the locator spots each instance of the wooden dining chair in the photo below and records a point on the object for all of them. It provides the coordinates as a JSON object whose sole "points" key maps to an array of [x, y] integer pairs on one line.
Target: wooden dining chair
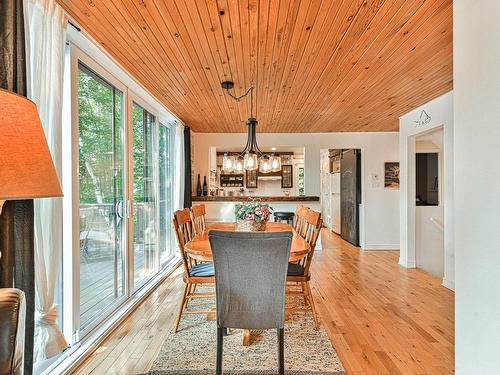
{"points": [[198, 213], [300, 219], [250, 281], [299, 273], [194, 273]]}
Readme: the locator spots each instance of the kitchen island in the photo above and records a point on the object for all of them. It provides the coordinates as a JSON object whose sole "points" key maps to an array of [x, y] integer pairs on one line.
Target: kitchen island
{"points": [[222, 208]]}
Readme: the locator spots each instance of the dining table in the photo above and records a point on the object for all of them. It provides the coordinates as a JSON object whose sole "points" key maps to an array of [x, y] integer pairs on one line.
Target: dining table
{"points": [[199, 249]]}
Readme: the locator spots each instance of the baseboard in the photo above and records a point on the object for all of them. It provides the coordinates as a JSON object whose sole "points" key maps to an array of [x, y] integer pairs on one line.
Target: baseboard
{"points": [[448, 284], [407, 264], [380, 247]]}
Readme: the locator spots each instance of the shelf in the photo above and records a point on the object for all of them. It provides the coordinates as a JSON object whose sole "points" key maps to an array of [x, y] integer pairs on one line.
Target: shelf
{"points": [[260, 198]]}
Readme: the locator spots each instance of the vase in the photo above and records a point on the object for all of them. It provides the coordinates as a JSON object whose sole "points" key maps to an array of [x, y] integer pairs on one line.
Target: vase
{"points": [[250, 226]]}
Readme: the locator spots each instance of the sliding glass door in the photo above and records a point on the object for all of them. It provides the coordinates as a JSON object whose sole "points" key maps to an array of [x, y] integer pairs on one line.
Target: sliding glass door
{"points": [[145, 239], [101, 185], [119, 198], [165, 194]]}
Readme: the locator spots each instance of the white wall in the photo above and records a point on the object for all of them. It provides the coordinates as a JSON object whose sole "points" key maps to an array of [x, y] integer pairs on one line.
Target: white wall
{"points": [[380, 208], [477, 185], [441, 112]]}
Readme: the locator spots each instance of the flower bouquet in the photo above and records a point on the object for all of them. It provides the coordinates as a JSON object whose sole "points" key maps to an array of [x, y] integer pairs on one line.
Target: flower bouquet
{"points": [[252, 216]]}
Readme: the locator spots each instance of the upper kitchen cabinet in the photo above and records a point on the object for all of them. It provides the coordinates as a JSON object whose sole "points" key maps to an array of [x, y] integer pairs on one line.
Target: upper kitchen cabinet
{"points": [[287, 176]]}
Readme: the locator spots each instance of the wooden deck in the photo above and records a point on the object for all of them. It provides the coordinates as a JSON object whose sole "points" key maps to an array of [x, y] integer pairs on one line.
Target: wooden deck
{"points": [[380, 317], [97, 290]]}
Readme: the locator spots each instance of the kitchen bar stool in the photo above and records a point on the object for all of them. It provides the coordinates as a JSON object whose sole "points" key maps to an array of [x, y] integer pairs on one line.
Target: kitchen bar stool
{"points": [[281, 216]]}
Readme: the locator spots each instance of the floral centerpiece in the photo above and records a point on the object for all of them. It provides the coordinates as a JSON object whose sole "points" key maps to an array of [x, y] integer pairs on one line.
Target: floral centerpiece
{"points": [[252, 216]]}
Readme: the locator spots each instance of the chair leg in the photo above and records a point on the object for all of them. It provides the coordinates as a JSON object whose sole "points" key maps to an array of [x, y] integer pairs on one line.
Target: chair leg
{"points": [[303, 287], [220, 342], [313, 306], [181, 308], [281, 351]]}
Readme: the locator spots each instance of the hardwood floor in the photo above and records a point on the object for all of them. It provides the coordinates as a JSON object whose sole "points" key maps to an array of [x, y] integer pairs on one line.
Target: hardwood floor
{"points": [[380, 317]]}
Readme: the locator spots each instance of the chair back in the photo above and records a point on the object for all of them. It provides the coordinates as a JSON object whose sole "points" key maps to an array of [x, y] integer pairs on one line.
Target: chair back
{"points": [[184, 232], [250, 277], [300, 222], [12, 330], [198, 212], [312, 229]]}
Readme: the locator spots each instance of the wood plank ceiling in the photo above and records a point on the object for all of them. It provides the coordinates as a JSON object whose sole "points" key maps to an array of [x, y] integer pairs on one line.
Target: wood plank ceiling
{"points": [[316, 65]]}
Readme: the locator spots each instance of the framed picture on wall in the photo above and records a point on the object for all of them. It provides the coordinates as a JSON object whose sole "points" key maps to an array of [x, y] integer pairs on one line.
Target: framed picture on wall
{"points": [[391, 175]]}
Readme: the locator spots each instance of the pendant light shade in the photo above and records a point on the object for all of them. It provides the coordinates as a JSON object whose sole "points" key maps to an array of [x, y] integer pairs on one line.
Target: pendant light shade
{"points": [[275, 163], [265, 164], [251, 162], [239, 165], [228, 163]]}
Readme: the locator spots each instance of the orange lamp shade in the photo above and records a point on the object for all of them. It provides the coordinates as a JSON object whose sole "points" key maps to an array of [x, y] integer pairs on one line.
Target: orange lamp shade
{"points": [[26, 166]]}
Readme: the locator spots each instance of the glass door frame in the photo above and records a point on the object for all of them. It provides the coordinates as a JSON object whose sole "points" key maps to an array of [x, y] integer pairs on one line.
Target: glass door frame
{"points": [[71, 205], [71, 222], [171, 155], [135, 99]]}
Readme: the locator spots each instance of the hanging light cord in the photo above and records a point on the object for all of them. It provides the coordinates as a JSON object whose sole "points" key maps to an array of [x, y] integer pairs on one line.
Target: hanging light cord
{"points": [[238, 98]]}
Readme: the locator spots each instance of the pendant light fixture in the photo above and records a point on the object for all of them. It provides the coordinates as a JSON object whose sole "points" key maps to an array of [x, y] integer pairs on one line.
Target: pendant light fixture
{"points": [[251, 158]]}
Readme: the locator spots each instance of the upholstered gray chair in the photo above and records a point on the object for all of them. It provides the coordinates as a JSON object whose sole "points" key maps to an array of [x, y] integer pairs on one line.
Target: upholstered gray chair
{"points": [[12, 317], [250, 278]]}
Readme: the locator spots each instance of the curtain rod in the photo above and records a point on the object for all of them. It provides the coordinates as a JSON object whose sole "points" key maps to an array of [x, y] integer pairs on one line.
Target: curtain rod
{"points": [[75, 26]]}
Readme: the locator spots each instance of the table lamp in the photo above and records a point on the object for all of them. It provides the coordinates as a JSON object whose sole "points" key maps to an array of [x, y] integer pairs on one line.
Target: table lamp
{"points": [[26, 167], [26, 172]]}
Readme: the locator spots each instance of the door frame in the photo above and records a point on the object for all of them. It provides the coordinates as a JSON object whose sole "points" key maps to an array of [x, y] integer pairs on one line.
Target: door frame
{"points": [[362, 226], [134, 98], [71, 316], [410, 190]]}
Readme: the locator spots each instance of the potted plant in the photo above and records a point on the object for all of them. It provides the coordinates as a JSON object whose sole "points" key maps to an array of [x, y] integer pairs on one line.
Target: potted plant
{"points": [[252, 216]]}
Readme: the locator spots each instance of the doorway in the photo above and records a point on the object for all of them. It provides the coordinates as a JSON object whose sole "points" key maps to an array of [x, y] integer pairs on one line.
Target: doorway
{"points": [[350, 195], [341, 192], [429, 209]]}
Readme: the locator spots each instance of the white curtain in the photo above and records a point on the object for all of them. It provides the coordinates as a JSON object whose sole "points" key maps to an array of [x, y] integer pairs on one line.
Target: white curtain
{"points": [[179, 166], [45, 24]]}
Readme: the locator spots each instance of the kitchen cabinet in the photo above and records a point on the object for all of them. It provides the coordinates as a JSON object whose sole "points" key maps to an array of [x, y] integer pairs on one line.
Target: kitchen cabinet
{"points": [[251, 179], [287, 176]]}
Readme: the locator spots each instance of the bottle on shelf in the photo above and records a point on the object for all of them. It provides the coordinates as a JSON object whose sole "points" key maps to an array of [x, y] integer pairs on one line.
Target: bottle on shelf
{"points": [[198, 187], [205, 190]]}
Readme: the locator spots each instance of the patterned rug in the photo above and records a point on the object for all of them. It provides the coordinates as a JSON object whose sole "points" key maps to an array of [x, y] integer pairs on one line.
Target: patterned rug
{"points": [[192, 350]]}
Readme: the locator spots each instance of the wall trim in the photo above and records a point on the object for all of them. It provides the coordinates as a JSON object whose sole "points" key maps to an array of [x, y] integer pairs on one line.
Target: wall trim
{"points": [[450, 284], [407, 264], [393, 247]]}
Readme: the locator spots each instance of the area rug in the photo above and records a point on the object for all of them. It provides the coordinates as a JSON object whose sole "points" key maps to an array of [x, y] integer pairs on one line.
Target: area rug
{"points": [[192, 350]]}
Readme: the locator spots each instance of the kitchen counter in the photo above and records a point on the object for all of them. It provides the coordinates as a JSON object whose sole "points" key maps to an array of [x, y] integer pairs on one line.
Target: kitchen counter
{"points": [[221, 209], [240, 198]]}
